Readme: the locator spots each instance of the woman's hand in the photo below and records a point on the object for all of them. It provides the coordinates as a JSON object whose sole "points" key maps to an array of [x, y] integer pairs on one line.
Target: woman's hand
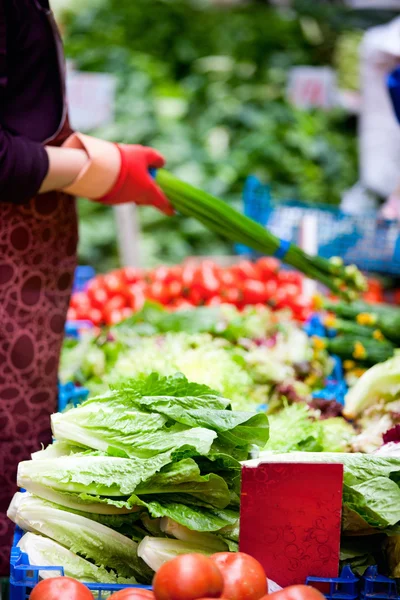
{"points": [[134, 183]]}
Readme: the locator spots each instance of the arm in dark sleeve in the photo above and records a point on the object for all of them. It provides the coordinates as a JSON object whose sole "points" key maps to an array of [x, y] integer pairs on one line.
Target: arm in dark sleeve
{"points": [[23, 167]]}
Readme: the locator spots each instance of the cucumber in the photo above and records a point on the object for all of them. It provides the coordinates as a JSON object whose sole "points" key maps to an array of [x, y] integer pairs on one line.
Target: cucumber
{"points": [[365, 350]]}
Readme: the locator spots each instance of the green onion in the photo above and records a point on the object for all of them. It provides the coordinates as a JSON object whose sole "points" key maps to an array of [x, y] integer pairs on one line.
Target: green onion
{"points": [[218, 216]]}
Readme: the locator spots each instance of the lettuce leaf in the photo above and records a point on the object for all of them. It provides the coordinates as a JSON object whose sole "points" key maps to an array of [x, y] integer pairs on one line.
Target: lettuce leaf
{"points": [[83, 536], [44, 552]]}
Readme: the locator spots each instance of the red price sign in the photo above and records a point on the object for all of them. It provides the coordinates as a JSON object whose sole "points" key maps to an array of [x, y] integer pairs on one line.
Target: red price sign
{"points": [[290, 519]]}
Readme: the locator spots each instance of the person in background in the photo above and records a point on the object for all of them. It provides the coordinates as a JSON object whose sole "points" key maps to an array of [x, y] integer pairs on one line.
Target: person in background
{"points": [[43, 166]]}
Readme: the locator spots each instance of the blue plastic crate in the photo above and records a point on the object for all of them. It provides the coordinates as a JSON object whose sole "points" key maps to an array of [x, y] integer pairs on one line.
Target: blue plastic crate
{"points": [[370, 243], [24, 577], [370, 586], [70, 395], [73, 328], [83, 274]]}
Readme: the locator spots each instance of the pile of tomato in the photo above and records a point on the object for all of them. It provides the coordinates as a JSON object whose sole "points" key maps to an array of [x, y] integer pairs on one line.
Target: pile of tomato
{"points": [[110, 298], [225, 575]]}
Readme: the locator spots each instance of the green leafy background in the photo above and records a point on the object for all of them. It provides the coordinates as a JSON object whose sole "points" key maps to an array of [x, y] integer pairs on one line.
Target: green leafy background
{"points": [[206, 85]]}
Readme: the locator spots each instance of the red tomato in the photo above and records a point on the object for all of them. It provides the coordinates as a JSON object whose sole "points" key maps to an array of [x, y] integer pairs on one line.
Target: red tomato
{"points": [[215, 301], [206, 280], [268, 267], [373, 297], [296, 592], [188, 577], [98, 297], [131, 275], [244, 577], [254, 292], [161, 274], [232, 296], [80, 300], [246, 270], [114, 317], [270, 288], [195, 297], [71, 314], [136, 296], [114, 284], [189, 272], [290, 277], [159, 292], [96, 316], [397, 296], [133, 594], [175, 289], [182, 304], [227, 278], [61, 588], [115, 303]]}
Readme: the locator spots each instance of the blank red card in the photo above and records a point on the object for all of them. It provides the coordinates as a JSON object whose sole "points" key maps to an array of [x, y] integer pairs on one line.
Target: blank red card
{"points": [[290, 519]]}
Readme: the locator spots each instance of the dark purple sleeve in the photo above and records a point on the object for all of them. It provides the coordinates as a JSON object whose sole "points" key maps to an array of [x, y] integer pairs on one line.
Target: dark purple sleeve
{"points": [[23, 167]]}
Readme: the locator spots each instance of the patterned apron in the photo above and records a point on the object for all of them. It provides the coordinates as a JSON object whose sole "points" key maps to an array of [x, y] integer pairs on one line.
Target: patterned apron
{"points": [[37, 261]]}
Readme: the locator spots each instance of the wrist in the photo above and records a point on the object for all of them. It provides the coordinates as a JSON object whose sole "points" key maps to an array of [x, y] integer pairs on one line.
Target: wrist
{"points": [[101, 169]]}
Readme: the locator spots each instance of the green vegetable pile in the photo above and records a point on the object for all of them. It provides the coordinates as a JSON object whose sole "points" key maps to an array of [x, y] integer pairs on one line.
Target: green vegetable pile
{"points": [[144, 472], [252, 357]]}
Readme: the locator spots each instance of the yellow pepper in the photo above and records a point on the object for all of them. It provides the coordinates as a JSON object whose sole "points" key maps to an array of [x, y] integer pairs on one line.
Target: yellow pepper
{"points": [[366, 319], [359, 351], [348, 365], [378, 335], [330, 321]]}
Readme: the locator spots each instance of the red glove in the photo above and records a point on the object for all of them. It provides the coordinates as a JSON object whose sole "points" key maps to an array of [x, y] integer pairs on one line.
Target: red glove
{"points": [[134, 183]]}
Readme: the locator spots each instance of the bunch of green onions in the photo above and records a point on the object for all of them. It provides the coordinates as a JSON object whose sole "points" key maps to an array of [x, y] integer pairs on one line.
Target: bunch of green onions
{"points": [[345, 281]]}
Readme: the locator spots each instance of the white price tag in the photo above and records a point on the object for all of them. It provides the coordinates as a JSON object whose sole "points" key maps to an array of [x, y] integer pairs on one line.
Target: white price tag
{"points": [[381, 4], [91, 99], [311, 87]]}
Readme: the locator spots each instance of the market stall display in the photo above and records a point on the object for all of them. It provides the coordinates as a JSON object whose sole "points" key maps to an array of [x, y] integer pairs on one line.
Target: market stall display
{"points": [[145, 472]]}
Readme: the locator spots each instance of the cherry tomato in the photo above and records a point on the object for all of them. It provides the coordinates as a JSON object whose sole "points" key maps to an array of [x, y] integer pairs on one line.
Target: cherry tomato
{"points": [[182, 304], [270, 288], [133, 594], [244, 577], [159, 292], [71, 314], [57, 588], [131, 275], [189, 273], [188, 577], [80, 300], [290, 277], [296, 592], [98, 297], [254, 292], [114, 284], [268, 267], [246, 270], [114, 317], [175, 289], [232, 296], [195, 297], [214, 301], [227, 278], [136, 296], [161, 274], [115, 303], [96, 316], [206, 281]]}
